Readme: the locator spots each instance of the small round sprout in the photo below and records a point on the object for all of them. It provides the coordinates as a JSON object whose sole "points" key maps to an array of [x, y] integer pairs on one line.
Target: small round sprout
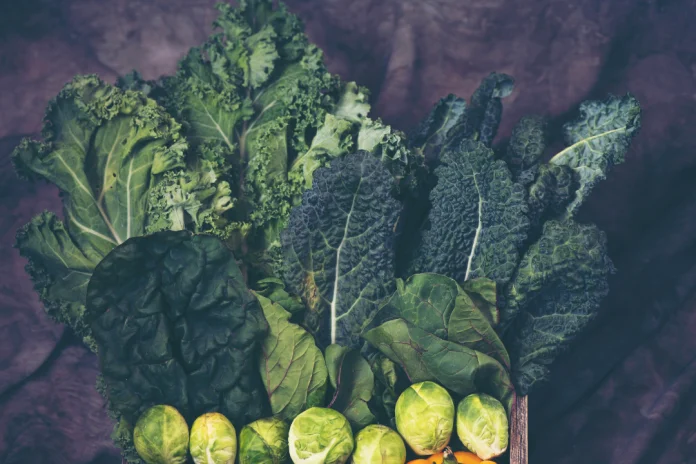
{"points": [[378, 444], [213, 440], [482, 425], [425, 417], [264, 441], [320, 436], [161, 436]]}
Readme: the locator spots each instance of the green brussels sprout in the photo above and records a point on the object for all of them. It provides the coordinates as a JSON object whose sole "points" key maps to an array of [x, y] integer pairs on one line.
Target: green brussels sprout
{"points": [[320, 436], [425, 417], [264, 441], [378, 444], [161, 436], [213, 440], [482, 425]]}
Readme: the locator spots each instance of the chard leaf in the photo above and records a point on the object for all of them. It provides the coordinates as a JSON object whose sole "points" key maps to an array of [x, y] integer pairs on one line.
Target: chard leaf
{"points": [[292, 367], [424, 356], [353, 382], [555, 293], [478, 218], [338, 247], [175, 324], [597, 141], [104, 148]]}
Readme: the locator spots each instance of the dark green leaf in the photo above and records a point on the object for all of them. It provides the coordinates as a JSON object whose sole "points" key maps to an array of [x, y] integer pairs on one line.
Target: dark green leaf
{"points": [[175, 324], [338, 247], [478, 218], [292, 367], [550, 193], [555, 293], [526, 147], [484, 295], [274, 289], [431, 135], [353, 382], [424, 356]]}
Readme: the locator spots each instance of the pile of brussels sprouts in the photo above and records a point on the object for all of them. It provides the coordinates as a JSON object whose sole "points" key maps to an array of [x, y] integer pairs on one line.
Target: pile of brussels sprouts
{"points": [[425, 419]]}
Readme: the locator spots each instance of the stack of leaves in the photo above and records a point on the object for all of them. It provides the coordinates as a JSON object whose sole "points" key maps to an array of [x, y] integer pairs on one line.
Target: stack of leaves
{"points": [[241, 237]]}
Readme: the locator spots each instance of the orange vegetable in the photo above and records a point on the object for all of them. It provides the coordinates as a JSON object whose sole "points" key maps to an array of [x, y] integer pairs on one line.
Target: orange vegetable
{"points": [[463, 457]]}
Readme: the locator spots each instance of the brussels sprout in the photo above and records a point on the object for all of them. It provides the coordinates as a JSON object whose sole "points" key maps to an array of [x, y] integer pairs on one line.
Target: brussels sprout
{"points": [[213, 440], [425, 417], [320, 436], [264, 441], [161, 436], [482, 425], [378, 444]]}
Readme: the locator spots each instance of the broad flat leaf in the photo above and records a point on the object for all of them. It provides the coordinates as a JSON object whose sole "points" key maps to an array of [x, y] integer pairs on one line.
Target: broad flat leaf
{"points": [[478, 218], [555, 293], [424, 356], [484, 295], [292, 367], [103, 148], [353, 382], [338, 247], [175, 324], [597, 141]]}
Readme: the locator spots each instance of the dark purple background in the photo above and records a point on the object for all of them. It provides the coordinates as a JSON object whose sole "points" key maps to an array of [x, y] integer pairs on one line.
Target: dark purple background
{"points": [[623, 395]]}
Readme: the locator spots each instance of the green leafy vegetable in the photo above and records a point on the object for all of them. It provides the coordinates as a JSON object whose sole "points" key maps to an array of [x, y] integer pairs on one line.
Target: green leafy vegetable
{"points": [[338, 247], [555, 293], [292, 367], [424, 356], [104, 149], [193, 331], [597, 141], [478, 218], [264, 441], [353, 382]]}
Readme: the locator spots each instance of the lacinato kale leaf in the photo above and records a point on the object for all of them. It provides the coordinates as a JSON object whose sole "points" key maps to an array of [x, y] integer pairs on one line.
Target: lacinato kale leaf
{"points": [[175, 324], [478, 219], [554, 294], [339, 247], [292, 368], [105, 149]]}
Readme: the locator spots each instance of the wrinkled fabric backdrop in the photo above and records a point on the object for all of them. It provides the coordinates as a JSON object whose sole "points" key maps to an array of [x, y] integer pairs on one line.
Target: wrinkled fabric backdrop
{"points": [[625, 392]]}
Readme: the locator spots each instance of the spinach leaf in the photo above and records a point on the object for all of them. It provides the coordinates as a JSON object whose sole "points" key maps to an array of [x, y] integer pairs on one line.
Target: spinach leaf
{"points": [[291, 366], [175, 324], [353, 382], [338, 247]]}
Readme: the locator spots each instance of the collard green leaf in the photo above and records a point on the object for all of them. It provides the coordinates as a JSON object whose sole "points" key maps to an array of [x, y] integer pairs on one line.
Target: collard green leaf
{"points": [[175, 324], [104, 148], [292, 367], [353, 382], [424, 356], [555, 293], [338, 247], [478, 218], [597, 140]]}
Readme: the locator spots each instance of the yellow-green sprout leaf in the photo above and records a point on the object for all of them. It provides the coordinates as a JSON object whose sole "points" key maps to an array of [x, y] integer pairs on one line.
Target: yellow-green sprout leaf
{"points": [[482, 425], [425, 417], [264, 441], [213, 440], [161, 436]]}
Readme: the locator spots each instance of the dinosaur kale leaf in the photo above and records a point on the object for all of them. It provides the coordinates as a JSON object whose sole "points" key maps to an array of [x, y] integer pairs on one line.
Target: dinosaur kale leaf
{"points": [[338, 247], [105, 149]]}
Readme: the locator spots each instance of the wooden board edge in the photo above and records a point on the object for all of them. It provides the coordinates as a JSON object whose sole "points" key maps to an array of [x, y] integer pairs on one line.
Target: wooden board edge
{"points": [[518, 431]]}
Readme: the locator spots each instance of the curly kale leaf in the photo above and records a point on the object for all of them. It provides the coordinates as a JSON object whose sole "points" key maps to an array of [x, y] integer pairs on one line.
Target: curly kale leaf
{"points": [[175, 324], [597, 140], [554, 294], [338, 247], [478, 220], [105, 149], [353, 384], [292, 368]]}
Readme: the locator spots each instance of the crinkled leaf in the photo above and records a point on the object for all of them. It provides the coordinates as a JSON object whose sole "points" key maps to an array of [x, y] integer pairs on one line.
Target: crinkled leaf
{"points": [[486, 100], [424, 356], [274, 289], [353, 382], [104, 148], [597, 140], [550, 193], [292, 367], [175, 324], [338, 247], [526, 147], [431, 135], [555, 293], [478, 218]]}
